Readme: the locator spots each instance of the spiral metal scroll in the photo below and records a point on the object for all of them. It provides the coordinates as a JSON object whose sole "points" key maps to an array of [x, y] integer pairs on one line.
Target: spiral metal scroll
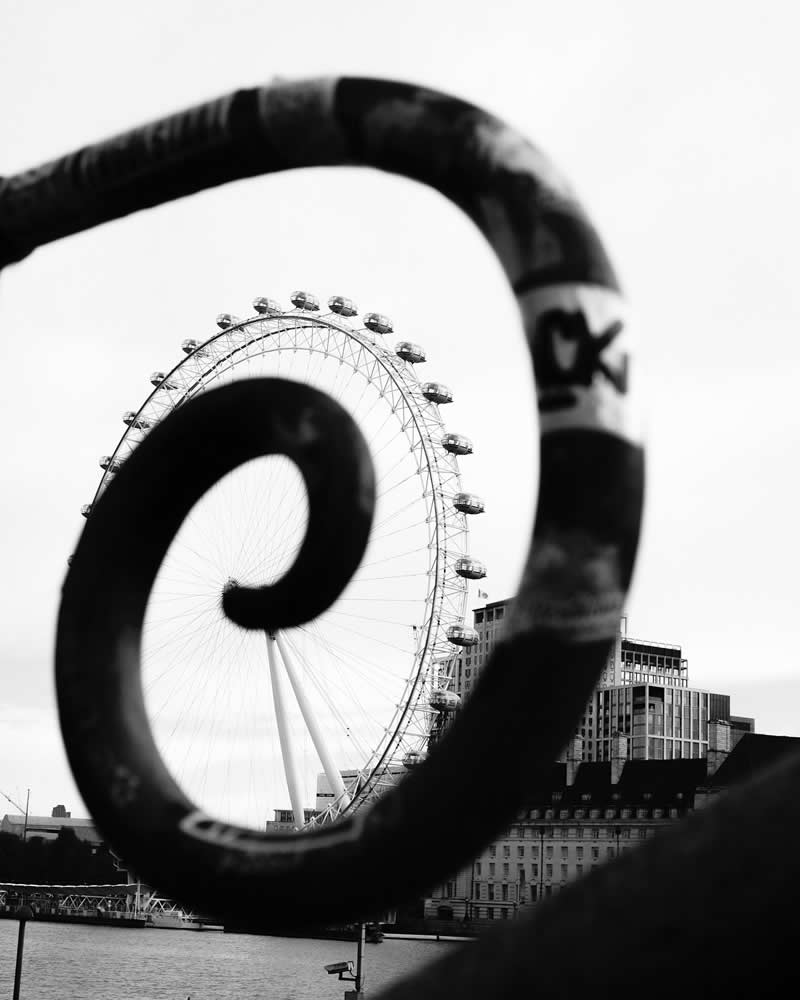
{"points": [[584, 539]]}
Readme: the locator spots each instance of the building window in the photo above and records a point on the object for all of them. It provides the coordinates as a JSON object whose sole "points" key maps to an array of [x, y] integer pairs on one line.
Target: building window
{"points": [[548, 871], [595, 833], [505, 869], [504, 893], [548, 851], [491, 892], [492, 851], [490, 912], [534, 871], [595, 853], [506, 851], [477, 867], [579, 853], [564, 853], [520, 852], [579, 870]]}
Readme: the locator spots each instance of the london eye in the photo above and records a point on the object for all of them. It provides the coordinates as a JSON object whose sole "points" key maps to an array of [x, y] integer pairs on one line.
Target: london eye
{"points": [[336, 711]]}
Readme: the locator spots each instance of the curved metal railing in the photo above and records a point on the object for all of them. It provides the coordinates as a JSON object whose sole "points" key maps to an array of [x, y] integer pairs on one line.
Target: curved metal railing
{"points": [[565, 615]]}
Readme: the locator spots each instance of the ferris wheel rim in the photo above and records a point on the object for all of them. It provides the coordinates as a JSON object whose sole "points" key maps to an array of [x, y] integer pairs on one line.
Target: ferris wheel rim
{"points": [[400, 373]]}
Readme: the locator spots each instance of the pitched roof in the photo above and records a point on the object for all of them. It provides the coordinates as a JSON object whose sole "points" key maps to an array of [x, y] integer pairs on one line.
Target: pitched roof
{"points": [[84, 828], [753, 753]]}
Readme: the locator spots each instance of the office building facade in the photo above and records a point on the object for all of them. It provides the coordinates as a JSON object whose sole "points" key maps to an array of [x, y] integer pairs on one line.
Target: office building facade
{"points": [[643, 693]]}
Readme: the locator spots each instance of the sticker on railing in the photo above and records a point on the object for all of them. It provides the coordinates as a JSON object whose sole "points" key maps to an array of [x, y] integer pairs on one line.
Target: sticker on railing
{"points": [[581, 344]]}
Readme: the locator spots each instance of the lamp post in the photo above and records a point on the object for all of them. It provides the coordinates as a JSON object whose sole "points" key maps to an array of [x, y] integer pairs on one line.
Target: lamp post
{"points": [[541, 862], [345, 970], [24, 913]]}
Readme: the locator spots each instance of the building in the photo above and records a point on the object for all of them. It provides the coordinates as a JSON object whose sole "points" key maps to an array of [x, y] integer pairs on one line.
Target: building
{"points": [[585, 813], [49, 827], [643, 694], [466, 665], [740, 725], [284, 820], [351, 779]]}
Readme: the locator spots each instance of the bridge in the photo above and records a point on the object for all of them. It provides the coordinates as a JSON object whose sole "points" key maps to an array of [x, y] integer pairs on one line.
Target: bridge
{"points": [[130, 904]]}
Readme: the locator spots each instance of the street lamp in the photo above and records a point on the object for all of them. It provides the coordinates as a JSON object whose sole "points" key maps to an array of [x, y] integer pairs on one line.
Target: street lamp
{"points": [[541, 862], [344, 970]]}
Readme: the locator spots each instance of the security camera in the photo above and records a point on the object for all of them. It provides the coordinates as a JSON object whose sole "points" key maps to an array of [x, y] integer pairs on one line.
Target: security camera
{"points": [[338, 968]]}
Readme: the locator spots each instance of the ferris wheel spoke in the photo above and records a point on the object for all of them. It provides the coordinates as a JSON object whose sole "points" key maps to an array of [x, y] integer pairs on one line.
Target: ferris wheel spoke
{"points": [[390, 558], [318, 679], [344, 627], [367, 676], [393, 515], [202, 622]]}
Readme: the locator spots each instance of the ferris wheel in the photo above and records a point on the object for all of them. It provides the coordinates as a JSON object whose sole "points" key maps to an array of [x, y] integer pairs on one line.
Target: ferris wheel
{"points": [[337, 710]]}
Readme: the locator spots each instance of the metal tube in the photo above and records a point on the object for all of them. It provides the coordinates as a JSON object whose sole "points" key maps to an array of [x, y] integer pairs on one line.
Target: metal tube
{"points": [[27, 808], [360, 958], [23, 914], [331, 770], [287, 749]]}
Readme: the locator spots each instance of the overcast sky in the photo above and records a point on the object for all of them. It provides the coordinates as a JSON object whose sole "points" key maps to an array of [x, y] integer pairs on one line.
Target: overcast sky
{"points": [[676, 123]]}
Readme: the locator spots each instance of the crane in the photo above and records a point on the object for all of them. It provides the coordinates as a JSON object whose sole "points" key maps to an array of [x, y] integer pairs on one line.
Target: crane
{"points": [[23, 811]]}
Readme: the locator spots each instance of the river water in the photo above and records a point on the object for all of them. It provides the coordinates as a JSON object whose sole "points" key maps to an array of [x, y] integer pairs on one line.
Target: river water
{"points": [[73, 962]]}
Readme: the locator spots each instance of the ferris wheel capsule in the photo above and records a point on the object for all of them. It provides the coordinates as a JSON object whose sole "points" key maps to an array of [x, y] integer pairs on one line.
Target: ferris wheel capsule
{"points": [[462, 635], [437, 393], [110, 464], [412, 759], [344, 307], [160, 381], [266, 307], [304, 300], [468, 503], [412, 353], [140, 423], [226, 320], [457, 444], [86, 510], [192, 346], [378, 323], [470, 569], [443, 700]]}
